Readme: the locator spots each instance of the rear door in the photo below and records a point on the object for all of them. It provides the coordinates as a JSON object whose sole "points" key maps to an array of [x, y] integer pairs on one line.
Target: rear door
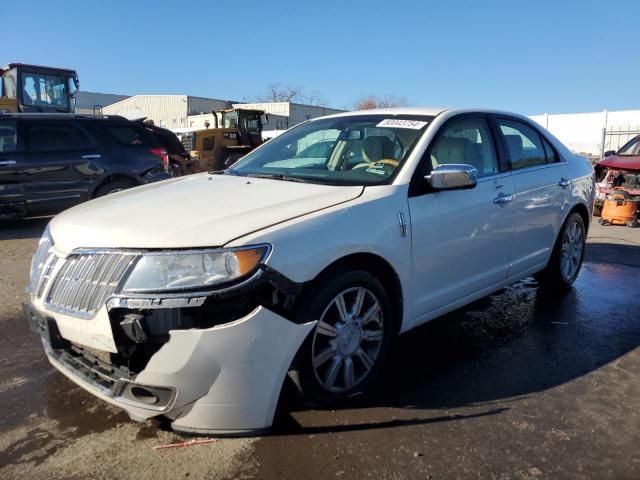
{"points": [[542, 185], [13, 168], [61, 156]]}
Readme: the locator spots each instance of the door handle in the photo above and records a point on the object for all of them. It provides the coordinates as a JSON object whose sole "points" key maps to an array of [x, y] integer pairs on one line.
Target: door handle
{"points": [[564, 182], [4, 163], [502, 199], [91, 156]]}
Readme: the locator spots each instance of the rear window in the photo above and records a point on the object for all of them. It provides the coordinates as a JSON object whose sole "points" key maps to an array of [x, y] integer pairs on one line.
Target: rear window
{"points": [[131, 136]]}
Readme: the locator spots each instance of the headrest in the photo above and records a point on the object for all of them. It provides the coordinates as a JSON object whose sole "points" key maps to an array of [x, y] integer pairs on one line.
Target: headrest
{"points": [[452, 150], [514, 142], [376, 148]]}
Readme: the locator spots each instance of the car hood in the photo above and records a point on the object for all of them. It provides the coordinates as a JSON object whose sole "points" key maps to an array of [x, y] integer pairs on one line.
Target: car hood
{"points": [[621, 162], [194, 211]]}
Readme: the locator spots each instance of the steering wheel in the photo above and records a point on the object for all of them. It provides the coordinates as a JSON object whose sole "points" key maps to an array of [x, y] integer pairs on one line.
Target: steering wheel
{"points": [[384, 161]]}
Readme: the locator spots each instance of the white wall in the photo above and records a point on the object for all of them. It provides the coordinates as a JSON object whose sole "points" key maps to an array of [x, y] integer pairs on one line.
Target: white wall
{"points": [[169, 111], [582, 132]]}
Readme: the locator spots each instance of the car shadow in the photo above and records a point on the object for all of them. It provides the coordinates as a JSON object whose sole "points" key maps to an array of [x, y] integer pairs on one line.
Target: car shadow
{"points": [[503, 348], [23, 228]]}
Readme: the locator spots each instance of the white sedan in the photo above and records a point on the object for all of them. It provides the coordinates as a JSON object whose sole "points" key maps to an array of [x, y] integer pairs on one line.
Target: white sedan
{"points": [[193, 298]]}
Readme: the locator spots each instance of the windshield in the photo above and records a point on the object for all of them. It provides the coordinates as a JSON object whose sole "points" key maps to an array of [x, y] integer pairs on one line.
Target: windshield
{"points": [[45, 90], [631, 148], [349, 150]]}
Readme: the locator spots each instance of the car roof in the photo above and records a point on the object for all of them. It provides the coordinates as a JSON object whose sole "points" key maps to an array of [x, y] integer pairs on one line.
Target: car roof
{"points": [[426, 111], [61, 116]]}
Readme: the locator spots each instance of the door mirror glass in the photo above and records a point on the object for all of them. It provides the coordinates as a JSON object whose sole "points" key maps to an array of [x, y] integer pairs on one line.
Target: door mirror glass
{"points": [[452, 177]]}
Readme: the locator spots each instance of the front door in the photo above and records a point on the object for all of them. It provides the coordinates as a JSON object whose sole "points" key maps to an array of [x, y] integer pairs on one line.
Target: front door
{"points": [[461, 239]]}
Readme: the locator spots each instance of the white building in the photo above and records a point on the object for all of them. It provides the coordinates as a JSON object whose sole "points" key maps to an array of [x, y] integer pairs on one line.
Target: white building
{"points": [[280, 116], [592, 133], [169, 111]]}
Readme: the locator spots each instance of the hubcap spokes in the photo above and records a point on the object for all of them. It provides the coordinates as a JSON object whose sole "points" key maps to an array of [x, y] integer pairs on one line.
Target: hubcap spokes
{"points": [[572, 245], [347, 339]]}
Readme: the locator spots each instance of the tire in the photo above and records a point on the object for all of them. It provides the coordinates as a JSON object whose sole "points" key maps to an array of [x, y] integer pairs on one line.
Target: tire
{"points": [[112, 187], [341, 359], [567, 256]]}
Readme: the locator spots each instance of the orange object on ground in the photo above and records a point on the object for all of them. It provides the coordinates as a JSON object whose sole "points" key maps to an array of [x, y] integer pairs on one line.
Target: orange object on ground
{"points": [[619, 209]]}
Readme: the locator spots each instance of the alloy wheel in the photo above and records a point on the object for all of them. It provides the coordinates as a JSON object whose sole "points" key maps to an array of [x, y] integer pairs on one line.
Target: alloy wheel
{"points": [[348, 339], [572, 246]]}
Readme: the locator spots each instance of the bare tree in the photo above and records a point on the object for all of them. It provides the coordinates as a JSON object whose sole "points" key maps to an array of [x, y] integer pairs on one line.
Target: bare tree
{"points": [[369, 102], [276, 92]]}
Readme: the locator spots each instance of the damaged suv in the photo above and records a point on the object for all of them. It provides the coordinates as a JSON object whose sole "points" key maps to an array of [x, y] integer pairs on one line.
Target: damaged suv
{"points": [[286, 263]]}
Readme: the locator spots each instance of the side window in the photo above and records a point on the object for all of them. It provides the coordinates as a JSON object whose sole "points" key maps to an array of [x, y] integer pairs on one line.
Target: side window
{"points": [[8, 136], [56, 137], [523, 144], [466, 141], [208, 143]]}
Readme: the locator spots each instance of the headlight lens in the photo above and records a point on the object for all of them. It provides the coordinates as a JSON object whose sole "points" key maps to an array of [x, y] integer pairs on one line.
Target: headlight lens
{"points": [[164, 271]]}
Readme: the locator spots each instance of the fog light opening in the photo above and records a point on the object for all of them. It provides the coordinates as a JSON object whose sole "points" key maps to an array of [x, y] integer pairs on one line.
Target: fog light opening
{"points": [[143, 395]]}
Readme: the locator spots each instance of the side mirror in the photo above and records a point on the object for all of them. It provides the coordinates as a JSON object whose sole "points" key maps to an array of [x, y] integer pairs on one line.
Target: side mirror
{"points": [[452, 177], [608, 153]]}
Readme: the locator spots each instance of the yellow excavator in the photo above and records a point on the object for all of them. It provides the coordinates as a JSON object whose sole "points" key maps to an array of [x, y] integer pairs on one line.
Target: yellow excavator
{"points": [[237, 133], [35, 88]]}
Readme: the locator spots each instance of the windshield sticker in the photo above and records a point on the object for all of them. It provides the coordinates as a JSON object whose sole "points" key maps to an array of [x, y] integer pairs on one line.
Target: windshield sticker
{"points": [[397, 123]]}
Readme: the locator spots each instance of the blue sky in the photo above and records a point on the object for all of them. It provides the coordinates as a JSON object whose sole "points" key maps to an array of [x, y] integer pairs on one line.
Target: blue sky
{"points": [[526, 56]]}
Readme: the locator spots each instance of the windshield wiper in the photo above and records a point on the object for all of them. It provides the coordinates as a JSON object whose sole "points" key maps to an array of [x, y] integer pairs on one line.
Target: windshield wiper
{"points": [[278, 176]]}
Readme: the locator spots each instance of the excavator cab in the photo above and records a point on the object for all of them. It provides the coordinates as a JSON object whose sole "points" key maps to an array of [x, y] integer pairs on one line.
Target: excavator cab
{"points": [[34, 88], [236, 132], [247, 122]]}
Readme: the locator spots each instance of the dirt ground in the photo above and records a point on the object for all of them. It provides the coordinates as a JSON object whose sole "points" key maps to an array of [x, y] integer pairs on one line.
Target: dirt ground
{"points": [[517, 385]]}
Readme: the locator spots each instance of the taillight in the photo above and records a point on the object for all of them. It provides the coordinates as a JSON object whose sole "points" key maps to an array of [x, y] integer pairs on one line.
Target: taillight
{"points": [[162, 153]]}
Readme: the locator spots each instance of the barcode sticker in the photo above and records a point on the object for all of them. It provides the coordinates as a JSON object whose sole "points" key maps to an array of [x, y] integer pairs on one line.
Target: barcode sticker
{"points": [[397, 123]]}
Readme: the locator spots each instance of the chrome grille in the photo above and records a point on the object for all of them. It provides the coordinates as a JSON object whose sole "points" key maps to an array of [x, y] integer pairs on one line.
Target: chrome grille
{"points": [[48, 267], [39, 260], [86, 281]]}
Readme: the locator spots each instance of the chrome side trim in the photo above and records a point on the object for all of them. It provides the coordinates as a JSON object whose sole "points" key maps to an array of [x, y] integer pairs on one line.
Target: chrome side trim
{"points": [[403, 224]]}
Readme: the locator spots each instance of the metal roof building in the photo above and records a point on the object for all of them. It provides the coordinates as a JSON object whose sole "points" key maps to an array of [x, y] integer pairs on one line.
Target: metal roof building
{"points": [[86, 101], [169, 111]]}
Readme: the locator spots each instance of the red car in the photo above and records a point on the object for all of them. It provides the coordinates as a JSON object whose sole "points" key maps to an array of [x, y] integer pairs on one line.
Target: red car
{"points": [[618, 169]]}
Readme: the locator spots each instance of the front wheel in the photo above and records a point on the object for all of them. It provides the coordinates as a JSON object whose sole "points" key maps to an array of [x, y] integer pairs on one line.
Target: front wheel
{"points": [[567, 256], [344, 353]]}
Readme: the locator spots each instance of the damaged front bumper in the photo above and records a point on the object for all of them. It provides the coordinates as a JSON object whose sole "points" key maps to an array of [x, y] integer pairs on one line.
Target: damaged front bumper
{"points": [[223, 379]]}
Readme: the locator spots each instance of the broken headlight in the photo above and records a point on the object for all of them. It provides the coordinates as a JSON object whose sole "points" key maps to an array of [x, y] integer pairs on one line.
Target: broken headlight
{"points": [[189, 269]]}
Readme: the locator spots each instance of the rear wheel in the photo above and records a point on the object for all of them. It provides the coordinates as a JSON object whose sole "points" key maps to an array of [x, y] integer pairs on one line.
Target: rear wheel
{"points": [[112, 187], [568, 254], [344, 353]]}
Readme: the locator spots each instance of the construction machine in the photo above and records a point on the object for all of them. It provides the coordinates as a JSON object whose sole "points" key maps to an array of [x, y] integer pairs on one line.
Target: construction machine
{"points": [[236, 132], [34, 88]]}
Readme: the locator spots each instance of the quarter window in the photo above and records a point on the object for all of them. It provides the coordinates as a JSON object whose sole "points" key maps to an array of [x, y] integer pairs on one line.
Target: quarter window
{"points": [[467, 141], [8, 137], [129, 136], [49, 137], [524, 144], [549, 151]]}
